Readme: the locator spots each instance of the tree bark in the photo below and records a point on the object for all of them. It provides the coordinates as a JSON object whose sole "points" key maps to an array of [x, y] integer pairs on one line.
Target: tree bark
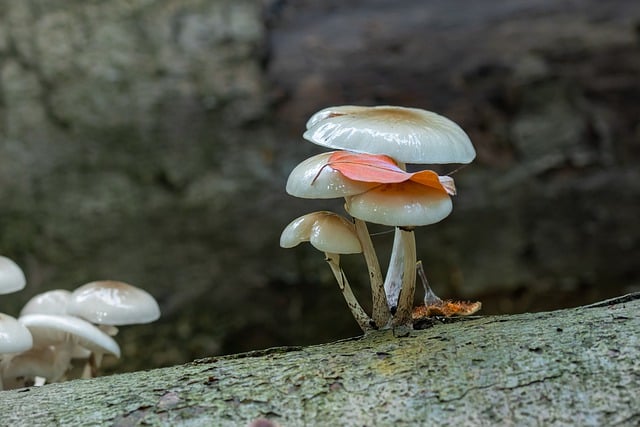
{"points": [[576, 366]]}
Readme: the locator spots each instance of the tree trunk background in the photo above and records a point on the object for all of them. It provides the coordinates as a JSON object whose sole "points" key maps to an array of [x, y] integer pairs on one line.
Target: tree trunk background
{"points": [[571, 367], [150, 141]]}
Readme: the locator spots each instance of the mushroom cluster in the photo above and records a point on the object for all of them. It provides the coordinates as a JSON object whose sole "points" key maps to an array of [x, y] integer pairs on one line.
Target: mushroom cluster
{"points": [[63, 334], [368, 169]]}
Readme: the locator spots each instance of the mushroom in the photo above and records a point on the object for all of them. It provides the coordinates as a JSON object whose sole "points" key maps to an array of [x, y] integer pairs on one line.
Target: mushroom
{"points": [[109, 304], [64, 333], [334, 235], [11, 276], [407, 135]]}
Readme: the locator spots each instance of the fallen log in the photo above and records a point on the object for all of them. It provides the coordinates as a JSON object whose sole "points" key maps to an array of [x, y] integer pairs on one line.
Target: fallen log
{"points": [[577, 366]]}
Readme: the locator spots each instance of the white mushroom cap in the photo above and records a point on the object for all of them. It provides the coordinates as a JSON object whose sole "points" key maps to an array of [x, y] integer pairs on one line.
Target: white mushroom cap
{"points": [[314, 179], [14, 337], [109, 302], [50, 329], [409, 135], [326, 231], [11, 276], [50, 302], [404, 204]]}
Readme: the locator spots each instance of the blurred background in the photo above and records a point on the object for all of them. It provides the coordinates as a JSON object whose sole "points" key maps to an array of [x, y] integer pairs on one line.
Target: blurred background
{"points": [[149, 141]]}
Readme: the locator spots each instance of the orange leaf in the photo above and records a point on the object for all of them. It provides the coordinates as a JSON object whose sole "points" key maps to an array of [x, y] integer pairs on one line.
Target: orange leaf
{"points": [[428, 178], [383, 169]]}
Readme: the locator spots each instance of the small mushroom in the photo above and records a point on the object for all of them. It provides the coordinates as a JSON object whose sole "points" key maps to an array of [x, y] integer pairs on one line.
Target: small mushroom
{"points": [[108, 304], [325, 230], [334, 235], [11, 276]]}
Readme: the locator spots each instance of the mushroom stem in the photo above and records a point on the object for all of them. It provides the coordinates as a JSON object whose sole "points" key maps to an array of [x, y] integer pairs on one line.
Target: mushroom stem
{"points": [[380, 312], [400, 283], [393, 279], [364, 321]]}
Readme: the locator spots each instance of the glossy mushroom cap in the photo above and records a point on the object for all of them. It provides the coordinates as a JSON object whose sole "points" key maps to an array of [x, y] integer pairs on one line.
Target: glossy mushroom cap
{"points": [[55, 330], [409, 135], [14, 337], [405, 204], [314, 179], [11, 276], [326, 231], [50, 302], [109, 302]]}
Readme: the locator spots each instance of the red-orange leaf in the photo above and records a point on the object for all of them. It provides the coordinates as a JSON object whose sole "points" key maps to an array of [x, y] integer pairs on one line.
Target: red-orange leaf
{"points": [[384, 170]]}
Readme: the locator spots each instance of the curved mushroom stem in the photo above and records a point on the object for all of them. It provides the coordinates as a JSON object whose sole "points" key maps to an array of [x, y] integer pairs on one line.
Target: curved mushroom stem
{"points": [[430, 297], [380, 311], [364, 321], [400, 283]]}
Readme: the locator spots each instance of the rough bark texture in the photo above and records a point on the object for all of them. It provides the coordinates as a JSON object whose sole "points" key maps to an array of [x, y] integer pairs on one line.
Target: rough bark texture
{"points": [[571, 367], [150, 140]]}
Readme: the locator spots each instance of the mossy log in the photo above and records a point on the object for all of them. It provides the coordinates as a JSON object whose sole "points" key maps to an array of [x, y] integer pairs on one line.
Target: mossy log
{"points": [[575, 366]]}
